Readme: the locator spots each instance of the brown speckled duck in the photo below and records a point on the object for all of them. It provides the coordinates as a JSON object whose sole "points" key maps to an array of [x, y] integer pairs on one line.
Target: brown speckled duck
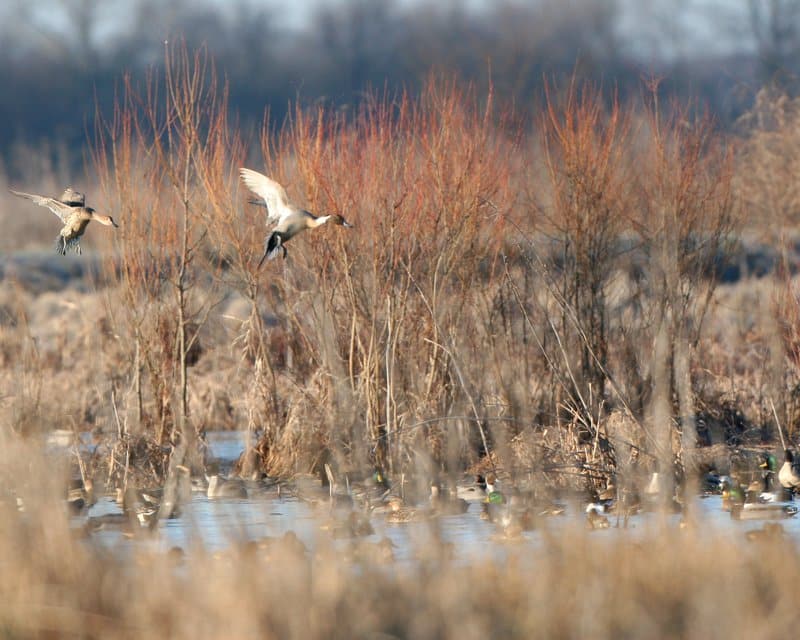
{"points": [[71, 209]]}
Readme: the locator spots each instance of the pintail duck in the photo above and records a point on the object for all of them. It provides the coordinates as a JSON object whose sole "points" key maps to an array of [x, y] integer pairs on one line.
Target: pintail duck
{"points": [[289, 219], [71, 209], [789, 476], [655, 486]]}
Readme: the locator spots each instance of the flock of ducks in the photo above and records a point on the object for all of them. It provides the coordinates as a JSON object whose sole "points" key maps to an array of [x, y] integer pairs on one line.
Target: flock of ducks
{"points": [[287, 219], [768, 496], [352, 507]]}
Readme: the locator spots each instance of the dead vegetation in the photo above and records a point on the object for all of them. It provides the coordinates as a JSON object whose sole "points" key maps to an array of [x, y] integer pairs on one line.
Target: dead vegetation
{"points": [[540, 301], [512, 278]]}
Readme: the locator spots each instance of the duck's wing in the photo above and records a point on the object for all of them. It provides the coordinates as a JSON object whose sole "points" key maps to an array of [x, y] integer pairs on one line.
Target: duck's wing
{"points": [[72, 198], [59, 208], [274, 195]]}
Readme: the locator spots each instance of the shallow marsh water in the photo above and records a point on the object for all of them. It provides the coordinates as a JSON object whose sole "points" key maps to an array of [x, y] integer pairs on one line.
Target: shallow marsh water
{"points": [[217, 524]]}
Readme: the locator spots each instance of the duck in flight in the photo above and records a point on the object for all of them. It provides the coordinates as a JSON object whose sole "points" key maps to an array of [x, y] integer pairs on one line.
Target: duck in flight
{"points": [[289, 219], [71, 209]]}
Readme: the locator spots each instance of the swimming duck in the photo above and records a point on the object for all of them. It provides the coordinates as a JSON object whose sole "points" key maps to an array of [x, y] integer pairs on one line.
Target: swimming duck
{"points": [[445, 504], [81, 497], [769, 466], [125, 522], [509, 530], [604, 501], [353, 525], [474, 491], [493, 493], [763, 511], [494, 505], [271, 548], [732, 493], [400, 514], [789, 476], [517, 513], [654, 486], [595, 519], [219, 487], [71, 210], [371, 490], [711, 483], [289, 219]]}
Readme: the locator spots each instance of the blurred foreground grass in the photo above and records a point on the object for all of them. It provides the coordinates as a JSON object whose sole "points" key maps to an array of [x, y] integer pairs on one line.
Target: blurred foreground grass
{"points": [[687, 583]]}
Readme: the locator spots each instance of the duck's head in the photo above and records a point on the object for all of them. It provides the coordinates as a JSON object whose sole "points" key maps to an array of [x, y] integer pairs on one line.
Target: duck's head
{"points": [[768, 462], [380, 479], [103, 219], [789, 456], [335, 218]]}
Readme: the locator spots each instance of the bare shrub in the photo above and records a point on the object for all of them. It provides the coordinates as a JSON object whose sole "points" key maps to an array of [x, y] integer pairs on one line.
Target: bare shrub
{"points": [[153, 159]]}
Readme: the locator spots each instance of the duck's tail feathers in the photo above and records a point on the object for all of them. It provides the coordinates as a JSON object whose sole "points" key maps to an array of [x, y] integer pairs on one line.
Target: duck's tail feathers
{"points": [[272, 247], [62, 246]]}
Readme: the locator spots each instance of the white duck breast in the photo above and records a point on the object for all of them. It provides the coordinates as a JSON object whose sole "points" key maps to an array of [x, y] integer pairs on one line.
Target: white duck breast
{"points": [[789, 476]]}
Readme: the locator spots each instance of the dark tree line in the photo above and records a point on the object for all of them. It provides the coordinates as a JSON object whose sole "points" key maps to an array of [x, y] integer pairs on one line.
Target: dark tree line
{"points": [[60, 58]]}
